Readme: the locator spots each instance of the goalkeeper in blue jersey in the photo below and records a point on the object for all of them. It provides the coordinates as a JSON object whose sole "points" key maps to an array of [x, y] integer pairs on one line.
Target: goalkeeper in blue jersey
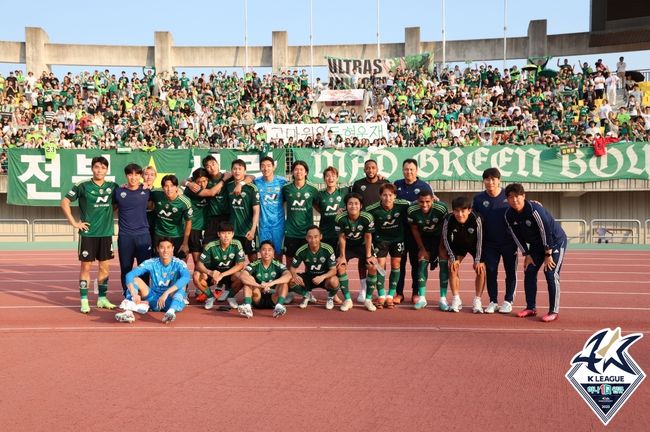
{"points": [[168, 276], [271, 205]]}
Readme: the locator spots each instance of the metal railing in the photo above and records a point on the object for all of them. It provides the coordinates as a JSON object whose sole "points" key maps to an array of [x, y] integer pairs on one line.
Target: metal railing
{"points": [[22, 222], [616, 231], [583, 230], [67, 229], [647, 231]]}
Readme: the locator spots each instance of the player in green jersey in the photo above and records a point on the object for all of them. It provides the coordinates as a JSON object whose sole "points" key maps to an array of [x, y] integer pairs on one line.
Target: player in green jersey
{"points": [[199, 211], [330, 205], [95, 227], [425, 219], [265, 283], [390, 216], [320, 268], [300, 197], [219, 266], [244, 209], [355, 228], [173, 213]]}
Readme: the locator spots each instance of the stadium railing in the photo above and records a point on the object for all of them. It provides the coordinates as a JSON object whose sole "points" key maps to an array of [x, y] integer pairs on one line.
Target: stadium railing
{"points": [[576, 229], [617, 230], [9, 232]]}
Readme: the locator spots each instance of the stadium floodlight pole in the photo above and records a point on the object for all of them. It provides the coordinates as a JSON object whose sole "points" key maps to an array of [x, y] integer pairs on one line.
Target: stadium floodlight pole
{"points": [[245, 36], [505, 33], [444, 40], [378, 37], [311, 40]]}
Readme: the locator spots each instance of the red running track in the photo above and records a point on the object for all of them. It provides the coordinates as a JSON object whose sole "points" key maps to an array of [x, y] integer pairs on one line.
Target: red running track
{"points": [[313, 369]]}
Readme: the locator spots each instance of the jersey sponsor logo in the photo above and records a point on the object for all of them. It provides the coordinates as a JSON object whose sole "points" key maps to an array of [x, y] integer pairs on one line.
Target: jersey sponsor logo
{"points": [[103, 199], [604, 373], [224, 263], [300, 203], [164, 283], [316, 267], [237, 201], [389, 223], [165, 213], [354, 235], [270, 198], [332, 208]]}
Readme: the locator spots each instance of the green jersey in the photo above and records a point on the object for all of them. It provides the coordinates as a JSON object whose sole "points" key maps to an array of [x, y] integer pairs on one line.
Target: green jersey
{"points": [[241, 207], [95, 206], [389, 224], [429, 224], [199, 209], [329, 206], [170, 215], [300, 208], [316, 263], [263, 274], [355, 230], [217, 205], [215, 257]]}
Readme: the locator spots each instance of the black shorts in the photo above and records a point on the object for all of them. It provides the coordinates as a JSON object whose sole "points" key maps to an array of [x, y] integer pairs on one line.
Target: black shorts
{"points": [[95, 248], [432, 243], [226, 281], [461, 252], [292, 244], [176, 241], [265, 302], [395, 249], [309, 284], [355, 251], [249, 246], [195, 242], [211, 228]]}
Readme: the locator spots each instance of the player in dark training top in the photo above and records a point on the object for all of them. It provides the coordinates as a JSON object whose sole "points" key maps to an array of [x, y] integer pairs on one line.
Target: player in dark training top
{"points": [[95, 227], [542, 242], [462, 234]]}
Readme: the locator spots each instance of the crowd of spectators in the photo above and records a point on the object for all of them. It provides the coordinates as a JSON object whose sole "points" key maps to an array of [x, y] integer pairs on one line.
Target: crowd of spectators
{"points": [[467, 105]]}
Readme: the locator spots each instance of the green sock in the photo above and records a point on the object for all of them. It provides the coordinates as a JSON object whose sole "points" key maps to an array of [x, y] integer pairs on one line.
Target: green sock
{"points": [[392, 281], [83, 289], [331, 293], [422, 277], [297, 289], [207, 292], [103, 287], [248, 300], [343, 280], [280, 300], [381, 285], [444, 277], [371, 281]]}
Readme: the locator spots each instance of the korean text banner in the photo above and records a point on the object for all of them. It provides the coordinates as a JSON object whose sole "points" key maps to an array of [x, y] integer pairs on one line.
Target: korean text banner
{"points": [[536, 164], [36, 181], [370, 131]]}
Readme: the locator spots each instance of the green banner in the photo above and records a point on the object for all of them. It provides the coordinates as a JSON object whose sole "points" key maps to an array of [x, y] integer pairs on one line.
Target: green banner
{"points": [[34, 180], [537, 164]]}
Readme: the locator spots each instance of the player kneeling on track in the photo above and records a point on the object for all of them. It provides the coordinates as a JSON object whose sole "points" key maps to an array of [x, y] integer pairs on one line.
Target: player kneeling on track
{"points": [[168, 277], [320, 268], [259, 279], [462, 233], [218, 267]]}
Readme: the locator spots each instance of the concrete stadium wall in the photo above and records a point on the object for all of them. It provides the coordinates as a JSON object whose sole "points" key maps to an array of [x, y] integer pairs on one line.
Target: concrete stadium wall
{"points": [[38, 54]]}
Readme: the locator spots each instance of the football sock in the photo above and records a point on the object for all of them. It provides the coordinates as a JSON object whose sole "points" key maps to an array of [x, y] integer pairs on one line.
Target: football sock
{"points": [[280, 300], [103, 287], [381, 285], [422, 277], [248, 300], [83, 289], [343, 279], [444, 277], [371, 281], [392, 281]]}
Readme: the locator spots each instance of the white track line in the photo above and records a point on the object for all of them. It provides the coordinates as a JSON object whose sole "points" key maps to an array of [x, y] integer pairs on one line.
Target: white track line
{"points": [[280, 328]]}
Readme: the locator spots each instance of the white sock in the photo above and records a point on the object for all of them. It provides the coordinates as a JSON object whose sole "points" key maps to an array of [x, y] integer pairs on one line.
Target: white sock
{"points": [[364, 284], [457, 297]]}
